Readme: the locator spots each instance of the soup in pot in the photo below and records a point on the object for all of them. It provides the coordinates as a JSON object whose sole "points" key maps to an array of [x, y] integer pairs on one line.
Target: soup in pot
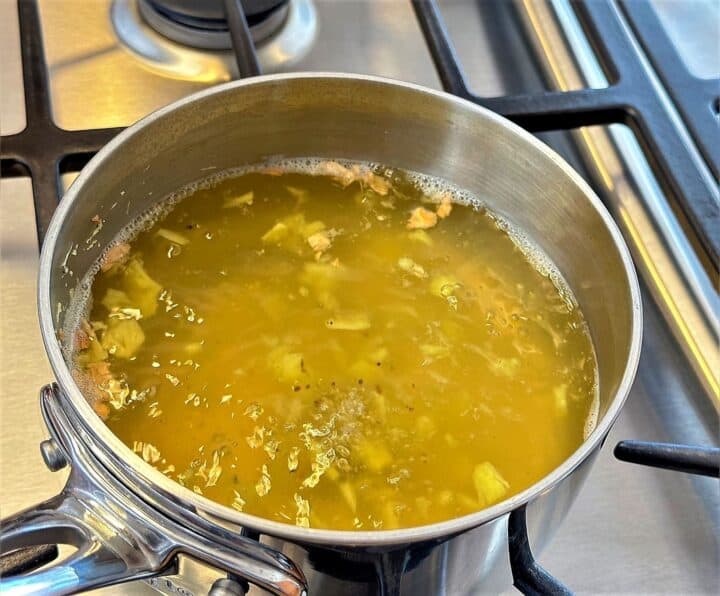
{"points": [[336, 345]]}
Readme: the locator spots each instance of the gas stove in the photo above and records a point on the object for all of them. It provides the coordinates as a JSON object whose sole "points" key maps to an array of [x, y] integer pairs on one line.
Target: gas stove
{"points": [[626, 91]]}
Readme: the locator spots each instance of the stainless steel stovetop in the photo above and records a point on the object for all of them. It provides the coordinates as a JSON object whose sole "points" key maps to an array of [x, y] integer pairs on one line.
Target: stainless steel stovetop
{"points": [[633, 529]]}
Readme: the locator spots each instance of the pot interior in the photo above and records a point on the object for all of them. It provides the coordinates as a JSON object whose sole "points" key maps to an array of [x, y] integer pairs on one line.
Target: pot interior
{"points": [[360, 119]]}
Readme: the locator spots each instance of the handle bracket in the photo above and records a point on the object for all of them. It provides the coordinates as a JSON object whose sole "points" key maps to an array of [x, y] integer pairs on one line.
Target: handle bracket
{"points": [[118, 535]]}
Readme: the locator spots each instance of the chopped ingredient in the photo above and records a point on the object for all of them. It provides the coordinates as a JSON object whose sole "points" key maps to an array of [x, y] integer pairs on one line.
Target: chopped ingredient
{"points": [[421, 218], [82, 340], [348, 322], [445, 207], [319, 241], [122, 338], [99, 372], [302, 517], [287, 366], [276, 234], [263, 485], [377, 183], [241, 201], [214, 471], [293, 459], [489, 484], [410, 266], [374, 455], [142, 290], [115, 256], [305, 348], [292, 233], [561, 399], [173, 237], [345, 176], [238, 502], [348, 494], [421, 236]]}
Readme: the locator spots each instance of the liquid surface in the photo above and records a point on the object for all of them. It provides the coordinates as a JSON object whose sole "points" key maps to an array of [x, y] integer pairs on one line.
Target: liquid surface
{"points": [[337, 350]]}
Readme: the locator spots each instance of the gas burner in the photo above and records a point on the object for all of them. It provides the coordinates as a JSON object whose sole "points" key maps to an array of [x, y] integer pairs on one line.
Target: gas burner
{"points": [[189, 40], [202, 24]]}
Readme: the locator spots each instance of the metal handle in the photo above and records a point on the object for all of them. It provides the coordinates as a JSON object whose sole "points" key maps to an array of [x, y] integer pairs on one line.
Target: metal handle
{"points": [[118, 536], [105, 554], [528, 576], [704, 461]]}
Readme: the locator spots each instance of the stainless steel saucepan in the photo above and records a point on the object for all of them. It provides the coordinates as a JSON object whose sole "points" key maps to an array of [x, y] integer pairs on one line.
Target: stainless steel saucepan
{"points": [[128, 521]]}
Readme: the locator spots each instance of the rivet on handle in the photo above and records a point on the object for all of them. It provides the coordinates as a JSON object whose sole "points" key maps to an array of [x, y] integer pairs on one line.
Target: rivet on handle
{"points": [[52, 455]]}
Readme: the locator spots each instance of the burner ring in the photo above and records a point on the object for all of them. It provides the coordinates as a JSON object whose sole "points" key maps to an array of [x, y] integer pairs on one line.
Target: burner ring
{"points": [[209, 33], [276, 49]]}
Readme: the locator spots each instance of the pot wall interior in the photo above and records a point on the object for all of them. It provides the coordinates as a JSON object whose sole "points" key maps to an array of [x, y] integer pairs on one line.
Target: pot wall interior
{"points": [[370, 120]]}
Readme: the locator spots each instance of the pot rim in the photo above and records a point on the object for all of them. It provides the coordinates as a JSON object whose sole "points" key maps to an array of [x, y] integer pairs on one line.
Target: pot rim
{"points": [[125, 457]]}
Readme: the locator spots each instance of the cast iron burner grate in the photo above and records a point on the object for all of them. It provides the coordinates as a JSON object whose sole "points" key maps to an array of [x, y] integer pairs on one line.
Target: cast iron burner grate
{"points": [[43, 151]]}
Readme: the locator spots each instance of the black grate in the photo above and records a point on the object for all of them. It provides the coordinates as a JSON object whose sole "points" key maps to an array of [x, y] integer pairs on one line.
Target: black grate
{"points": [[630, 99]]}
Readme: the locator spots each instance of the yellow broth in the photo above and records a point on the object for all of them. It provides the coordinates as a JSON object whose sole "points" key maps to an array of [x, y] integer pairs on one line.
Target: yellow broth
{"points": [[337, 348]]}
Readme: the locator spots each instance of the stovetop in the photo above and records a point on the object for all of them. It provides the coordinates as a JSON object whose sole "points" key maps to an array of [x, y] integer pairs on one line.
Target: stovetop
{"points": [[633, 529]]}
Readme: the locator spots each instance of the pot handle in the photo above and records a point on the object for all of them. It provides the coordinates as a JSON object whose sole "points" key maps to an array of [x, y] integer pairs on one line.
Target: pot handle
{"points": [[106, 553], [118, 536], [528, 576]]}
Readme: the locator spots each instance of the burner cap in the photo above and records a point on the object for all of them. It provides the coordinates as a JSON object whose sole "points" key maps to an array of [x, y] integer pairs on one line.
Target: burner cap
{"points": [[201, 23], [214, 9], [282, 37]]}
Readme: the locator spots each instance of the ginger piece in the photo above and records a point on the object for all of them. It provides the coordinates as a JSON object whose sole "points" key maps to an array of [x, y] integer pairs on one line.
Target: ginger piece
{"points": [[444, 285], [93, 351], [445, 207], [348, 493], [377, 183], [421, 236], [345, 176], [560, 393], [422, 219], [142, 289], [349, 321], [293, 232], [319, 241], [123, 337], [434, 350], [287, 366], [302, 517], [489, 484], [115, 300], [241, 201], [321, 279], [374, 455], [276, 234], [407, 265], [172, 236], [115, 256]]}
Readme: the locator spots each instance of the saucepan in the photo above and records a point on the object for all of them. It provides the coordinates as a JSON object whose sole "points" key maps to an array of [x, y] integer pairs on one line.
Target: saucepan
{"points": [[127, 521]]}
